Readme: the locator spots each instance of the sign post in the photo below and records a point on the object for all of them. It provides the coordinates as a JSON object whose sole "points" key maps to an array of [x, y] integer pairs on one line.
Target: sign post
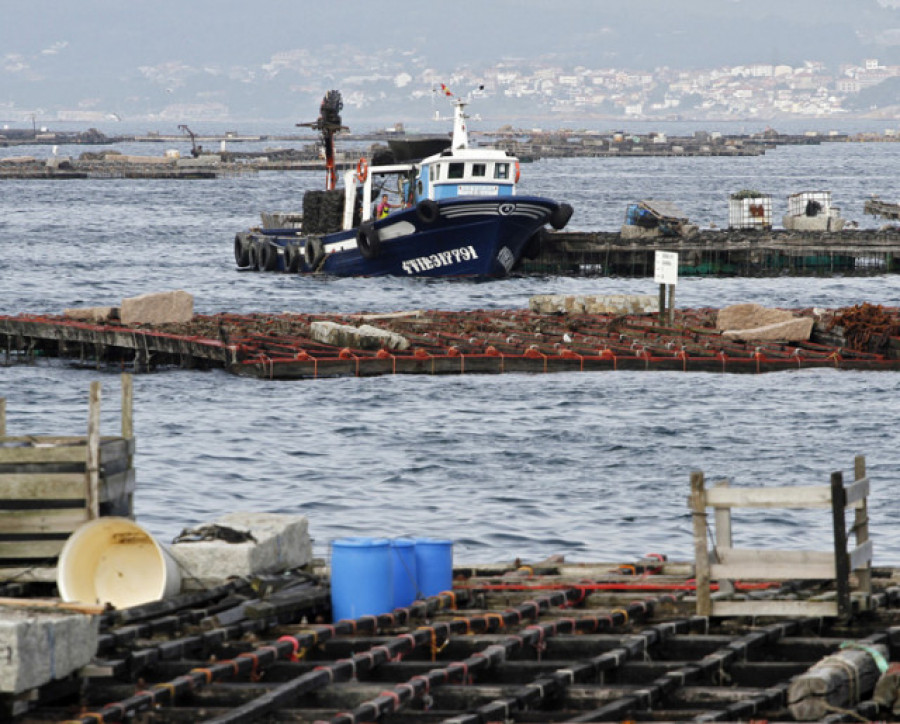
{"points": [[665, 272]]}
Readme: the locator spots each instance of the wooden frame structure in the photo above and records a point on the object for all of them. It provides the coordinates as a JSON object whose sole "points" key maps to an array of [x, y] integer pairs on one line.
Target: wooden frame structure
{"points": [[727, 563], [49, 485]]}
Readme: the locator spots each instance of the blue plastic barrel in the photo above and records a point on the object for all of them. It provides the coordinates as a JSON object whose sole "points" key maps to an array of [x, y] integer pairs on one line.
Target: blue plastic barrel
{"points": [[403, 561], [361, 582], [434, 565]]}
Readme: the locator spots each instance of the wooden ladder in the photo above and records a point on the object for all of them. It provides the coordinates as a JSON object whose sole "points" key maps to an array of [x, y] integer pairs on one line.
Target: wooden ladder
{"points": [[727, 563]]}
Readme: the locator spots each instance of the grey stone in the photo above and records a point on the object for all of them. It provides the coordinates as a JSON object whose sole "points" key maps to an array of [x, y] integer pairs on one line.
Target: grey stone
{"points": [[158, 308], [281, 542], [750, 316], [92, 314], [39, 646], [791, 330], [365, 336], [595, 304]]}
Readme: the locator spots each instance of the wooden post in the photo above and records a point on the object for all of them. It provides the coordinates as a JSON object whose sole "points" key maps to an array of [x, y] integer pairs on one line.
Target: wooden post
{"points": [[662, 303], [92, 464], [671, 308], [127, 406], [841, 561], [2, 417], [722, 520], [861, 527], [701, 553]]}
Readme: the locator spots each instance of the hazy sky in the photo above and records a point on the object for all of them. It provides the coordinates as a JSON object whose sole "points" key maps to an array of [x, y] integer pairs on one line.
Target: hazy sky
{"points": [[259, 59]]}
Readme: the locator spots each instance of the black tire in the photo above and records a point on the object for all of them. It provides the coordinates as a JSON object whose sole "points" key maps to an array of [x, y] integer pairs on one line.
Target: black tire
{"points": [[241, 251], [253, 255], [313, 252], [560, 216], [288, 258], [368, 242], [428, 211], [268, 256], [532, 248], [331, 212]]}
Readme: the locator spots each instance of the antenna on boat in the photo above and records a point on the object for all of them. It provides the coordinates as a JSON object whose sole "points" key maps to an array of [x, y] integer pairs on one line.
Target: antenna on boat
{"points": [[460, 129], [329, 124]]}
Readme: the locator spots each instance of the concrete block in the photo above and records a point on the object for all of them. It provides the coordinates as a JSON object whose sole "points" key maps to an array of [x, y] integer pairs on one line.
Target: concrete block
{"points": [[363, 337], [750, 316], [281, 542], [797, 329], [40, 646], [595, 304], [92, 314], [158, 308]]}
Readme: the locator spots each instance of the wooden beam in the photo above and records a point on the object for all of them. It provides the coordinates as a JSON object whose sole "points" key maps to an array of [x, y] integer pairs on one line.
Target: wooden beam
{"points": [[2, 417], [60, 520], [861, 527], [841, 561], [127, 405], [792, 496], [701, 552], [767, 564], [92, 461], [813, 609]]}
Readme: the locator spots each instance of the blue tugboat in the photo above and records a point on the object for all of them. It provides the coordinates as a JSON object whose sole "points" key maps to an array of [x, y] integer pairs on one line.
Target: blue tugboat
{"points": [[454, 213]]}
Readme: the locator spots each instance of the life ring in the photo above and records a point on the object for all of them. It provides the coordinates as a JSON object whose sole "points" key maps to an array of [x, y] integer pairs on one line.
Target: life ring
{"points": [[428, 211], [518, 172], [368, 242], [362, 170], [314, 252]]}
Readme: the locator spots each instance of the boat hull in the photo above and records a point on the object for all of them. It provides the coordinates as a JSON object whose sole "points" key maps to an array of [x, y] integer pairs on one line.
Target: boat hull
{"points": [[460, 237]]}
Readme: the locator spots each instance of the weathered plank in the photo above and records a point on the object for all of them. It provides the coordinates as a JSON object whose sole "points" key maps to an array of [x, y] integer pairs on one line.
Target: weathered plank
{"points": [[797, 496], [63, 520], [812, 609], [41, 486], [34, 549], [761, 564]]}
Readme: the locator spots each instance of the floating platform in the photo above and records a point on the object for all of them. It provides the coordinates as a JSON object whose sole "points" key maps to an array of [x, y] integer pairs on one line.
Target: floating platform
{"points": [[541, 642], [439, 342], [749, 253]]}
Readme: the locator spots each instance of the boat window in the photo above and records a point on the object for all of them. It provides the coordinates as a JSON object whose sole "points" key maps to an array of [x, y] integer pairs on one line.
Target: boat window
{"points": [[433, 172], [456, 170], [501, 170], [479, 169]]}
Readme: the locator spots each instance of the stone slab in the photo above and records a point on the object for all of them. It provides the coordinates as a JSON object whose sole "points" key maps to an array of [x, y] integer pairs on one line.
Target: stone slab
{"points": [[158, 308], [282, 542], [365, 336], [750, 316], [92, 314], [40, 646], [798, 329], [595, 304]]}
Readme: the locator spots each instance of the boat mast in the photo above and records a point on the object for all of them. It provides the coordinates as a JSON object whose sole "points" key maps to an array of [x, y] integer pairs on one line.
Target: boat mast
{"points": [[460, 131]]}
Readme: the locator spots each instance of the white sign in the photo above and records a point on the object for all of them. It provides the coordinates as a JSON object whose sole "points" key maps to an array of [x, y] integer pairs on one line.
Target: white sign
{"points": [[665, 268]]}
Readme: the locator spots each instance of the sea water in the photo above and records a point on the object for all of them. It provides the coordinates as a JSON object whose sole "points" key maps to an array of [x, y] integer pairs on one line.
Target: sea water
{"points": [[594, 466]]}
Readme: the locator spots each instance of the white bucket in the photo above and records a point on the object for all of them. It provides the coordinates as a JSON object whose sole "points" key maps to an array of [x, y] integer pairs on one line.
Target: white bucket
{"points": [[114, 560]]}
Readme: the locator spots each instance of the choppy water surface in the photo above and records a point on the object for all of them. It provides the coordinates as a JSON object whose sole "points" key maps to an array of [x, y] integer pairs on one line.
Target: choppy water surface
{"points": [[594, 466]]}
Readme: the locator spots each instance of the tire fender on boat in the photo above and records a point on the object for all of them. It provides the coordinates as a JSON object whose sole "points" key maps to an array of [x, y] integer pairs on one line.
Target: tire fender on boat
{"points": [[291, 258], [241, 250], [253, 255], [268, 256], [313, 252], [560, 216], [367, 241], [428, 211]]}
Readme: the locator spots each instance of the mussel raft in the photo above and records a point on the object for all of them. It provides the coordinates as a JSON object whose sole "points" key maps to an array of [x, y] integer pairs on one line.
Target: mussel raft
{"points": [[284, 346]]}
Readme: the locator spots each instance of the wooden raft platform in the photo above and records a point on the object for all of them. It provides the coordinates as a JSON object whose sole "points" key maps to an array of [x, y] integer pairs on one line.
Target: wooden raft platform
{"points": [[480, 342], [546, 642]]}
